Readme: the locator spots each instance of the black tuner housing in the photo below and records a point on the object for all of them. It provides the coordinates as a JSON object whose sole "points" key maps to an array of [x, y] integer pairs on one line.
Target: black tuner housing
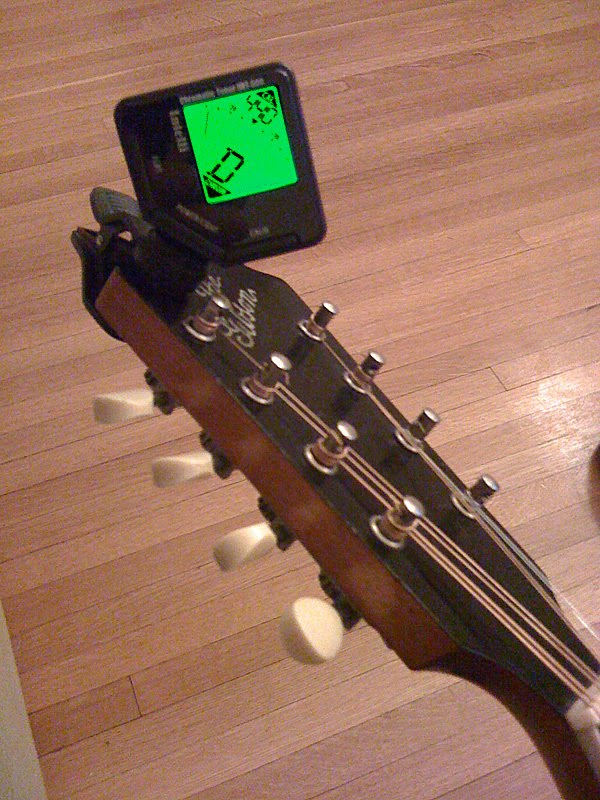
{"points": [[223, 165]]}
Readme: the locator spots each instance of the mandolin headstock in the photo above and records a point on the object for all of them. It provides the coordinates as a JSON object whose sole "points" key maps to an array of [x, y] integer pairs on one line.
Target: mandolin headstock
{"points": [[400, 540]]}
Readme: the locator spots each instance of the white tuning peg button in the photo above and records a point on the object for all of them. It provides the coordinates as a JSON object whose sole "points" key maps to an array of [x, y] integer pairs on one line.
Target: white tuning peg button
{"points": [[123, 406], [311, 630], [244, 545], [173, 470]]}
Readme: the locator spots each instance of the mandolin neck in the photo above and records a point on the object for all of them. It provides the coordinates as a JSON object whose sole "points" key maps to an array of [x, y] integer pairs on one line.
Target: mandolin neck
{"points": [[574, 766], [406, 627]]}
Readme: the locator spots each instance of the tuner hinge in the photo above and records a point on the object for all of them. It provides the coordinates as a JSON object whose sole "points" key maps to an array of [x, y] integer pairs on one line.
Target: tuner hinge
{"points": [[165, 402], [348, 614], [221, 464]]}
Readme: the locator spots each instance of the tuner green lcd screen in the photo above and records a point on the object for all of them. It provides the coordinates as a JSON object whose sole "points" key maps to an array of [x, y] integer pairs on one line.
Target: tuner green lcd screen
{"points": [[240, 144]]}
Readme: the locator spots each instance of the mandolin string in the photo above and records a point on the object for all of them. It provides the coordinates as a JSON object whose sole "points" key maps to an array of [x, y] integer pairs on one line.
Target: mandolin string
{"points": [[511, 549], [508, 548], [242, 350], [507, 598], [322, 428], [520, 633], [468, 562], [476, 567]]}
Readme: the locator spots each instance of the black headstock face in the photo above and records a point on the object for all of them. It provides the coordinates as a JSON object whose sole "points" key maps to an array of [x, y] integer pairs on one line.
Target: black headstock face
{"points": [[313, 404]]}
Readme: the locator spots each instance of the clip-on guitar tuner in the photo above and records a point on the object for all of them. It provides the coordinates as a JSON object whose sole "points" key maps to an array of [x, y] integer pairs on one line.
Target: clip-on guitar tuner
{"points": [[223, 173]]}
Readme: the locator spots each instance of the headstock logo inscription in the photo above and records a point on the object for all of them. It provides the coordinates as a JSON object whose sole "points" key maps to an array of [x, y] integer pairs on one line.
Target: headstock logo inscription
{"points": [[240, 324]]}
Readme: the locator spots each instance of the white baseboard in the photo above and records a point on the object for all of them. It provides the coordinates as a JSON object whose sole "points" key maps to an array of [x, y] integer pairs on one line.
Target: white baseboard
{"points": [[20, 774]]}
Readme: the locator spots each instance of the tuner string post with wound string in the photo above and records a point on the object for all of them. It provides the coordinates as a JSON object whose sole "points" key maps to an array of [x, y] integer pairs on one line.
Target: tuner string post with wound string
{"points": [[329, 450], [204, 323], [393, 527], [262, 385], [314, 327]]}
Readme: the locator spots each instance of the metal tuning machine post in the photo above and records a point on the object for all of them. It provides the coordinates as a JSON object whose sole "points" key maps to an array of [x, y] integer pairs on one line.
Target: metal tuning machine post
{"points": [[203, 323], [314, 327], [261, 386], [413, 437], [327, 452], [471, 501], [393, 527], [361, 377]]}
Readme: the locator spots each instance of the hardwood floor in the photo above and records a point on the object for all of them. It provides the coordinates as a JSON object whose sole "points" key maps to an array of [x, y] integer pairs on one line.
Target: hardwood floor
{"points": [[457, 149]]}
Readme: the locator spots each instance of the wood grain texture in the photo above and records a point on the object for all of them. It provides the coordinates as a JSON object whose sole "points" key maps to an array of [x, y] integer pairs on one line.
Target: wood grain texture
{"points": [[456, 144]]}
